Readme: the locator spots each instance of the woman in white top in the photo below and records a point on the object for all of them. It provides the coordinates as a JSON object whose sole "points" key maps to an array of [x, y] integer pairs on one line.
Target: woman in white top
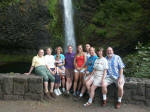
{"points": [[98, 74], [50, 61]]}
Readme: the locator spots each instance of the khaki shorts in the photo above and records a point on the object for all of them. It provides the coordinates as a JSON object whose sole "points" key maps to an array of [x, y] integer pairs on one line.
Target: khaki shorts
{"points": [[110, 80], [95, 80], [69, 73]]}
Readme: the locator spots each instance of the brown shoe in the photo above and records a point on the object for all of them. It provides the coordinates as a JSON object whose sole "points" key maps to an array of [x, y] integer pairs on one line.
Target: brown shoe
{"points": [[52, 95], [104, 103], [118, 105], [48, 96]]}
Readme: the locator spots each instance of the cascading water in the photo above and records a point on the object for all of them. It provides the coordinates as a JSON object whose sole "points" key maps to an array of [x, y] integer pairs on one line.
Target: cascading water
{"points": [[69, 26]]}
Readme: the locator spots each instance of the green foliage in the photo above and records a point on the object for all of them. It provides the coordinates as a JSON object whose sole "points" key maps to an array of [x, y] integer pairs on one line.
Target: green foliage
{"points": [[117, 23], [138, 64], [6, 3], [55, 25], [20, 25], [5, 58]]}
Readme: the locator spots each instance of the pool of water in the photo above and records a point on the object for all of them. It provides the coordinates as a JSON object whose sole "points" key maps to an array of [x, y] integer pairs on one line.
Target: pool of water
{"points": [[16, 67]]}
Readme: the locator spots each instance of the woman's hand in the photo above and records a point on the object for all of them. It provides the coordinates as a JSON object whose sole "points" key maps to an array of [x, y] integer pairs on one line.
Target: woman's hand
{"points": [[78, 68], [27, 73], [59, 65], [53, 72]]}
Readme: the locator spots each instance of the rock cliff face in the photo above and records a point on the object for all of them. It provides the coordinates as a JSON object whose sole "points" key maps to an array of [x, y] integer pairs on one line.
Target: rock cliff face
{"points": [[24, 26], [27, 25], [117, 23]]}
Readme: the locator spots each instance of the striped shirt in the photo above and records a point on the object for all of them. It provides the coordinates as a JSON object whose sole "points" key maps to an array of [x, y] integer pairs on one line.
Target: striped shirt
{"points": [[115, 63]]}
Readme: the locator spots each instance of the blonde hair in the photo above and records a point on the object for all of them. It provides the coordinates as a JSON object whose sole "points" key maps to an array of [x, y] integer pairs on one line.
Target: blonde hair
{"points": [[49, 48], [59, 48]]}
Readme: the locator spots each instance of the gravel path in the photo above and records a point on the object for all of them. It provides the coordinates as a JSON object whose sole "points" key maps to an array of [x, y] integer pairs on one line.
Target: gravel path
{"points": [[63, 104]]}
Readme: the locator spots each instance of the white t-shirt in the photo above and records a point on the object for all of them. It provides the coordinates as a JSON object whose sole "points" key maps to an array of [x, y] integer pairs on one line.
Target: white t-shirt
{"points": [[101, 64], [50, 61]]}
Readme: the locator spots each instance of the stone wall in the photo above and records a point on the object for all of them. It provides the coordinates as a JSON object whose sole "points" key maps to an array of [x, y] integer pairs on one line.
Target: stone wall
{"points": [[136, 91], [22, 87]]}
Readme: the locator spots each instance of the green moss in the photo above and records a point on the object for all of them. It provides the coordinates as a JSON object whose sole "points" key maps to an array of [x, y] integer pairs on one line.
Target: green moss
{"points": [[112, 22], [55, 25], [15, 58], [6, 3]]}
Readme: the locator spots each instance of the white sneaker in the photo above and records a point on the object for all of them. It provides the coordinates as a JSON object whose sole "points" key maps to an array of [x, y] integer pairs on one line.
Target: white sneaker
{"points": [[63, 90], [56, 92], [59, 92]]}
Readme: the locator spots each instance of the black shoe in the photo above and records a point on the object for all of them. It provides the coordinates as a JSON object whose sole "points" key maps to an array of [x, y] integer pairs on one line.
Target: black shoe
{"points": [[67, 94]]}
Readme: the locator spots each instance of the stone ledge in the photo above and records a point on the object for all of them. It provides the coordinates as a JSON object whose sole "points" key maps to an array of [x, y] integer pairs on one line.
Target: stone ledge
{"points": [[136, 91], [21, 87]]}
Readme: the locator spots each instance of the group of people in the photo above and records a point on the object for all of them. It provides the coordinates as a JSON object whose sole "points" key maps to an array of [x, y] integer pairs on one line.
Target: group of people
{"points": [[82, 71]]}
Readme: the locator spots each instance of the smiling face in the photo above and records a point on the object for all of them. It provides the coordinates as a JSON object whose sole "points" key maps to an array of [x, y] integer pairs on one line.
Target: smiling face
{"points": [[41, 53], [59, 50], [48, 51], [92, 51], [80, 49], [70, 49], [100, 53], [87, 47], [110, 52]]}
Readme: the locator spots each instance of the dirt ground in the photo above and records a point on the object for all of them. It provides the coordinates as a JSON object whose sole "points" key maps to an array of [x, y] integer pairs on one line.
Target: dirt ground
{"points": [[63, 104]]}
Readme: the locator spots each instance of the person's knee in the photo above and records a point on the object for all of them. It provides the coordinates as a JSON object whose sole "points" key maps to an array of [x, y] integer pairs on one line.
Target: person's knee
{"points": [[76, 79], [87, 85], [52, 79], [70, 81], [45, 78], [104, 86]]}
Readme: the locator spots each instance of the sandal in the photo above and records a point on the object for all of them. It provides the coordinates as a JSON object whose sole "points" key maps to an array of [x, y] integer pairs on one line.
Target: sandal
{"points": [[87, 104]]}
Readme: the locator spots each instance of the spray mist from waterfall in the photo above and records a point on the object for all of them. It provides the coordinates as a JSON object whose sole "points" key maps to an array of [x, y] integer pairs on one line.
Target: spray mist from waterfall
{"points": [[69, 26]]}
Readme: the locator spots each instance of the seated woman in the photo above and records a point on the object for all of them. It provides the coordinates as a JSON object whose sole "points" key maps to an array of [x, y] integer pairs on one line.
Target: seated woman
{"points": [[61, 62], [50, 61], [98, 74], [89, 69], [41, 69], [79, 64]]}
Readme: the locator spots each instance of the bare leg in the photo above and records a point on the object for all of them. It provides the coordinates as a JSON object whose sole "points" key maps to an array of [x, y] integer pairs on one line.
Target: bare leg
{"points": [[76, 77], [52, 86], [63, 81], [83, 88], [104, 88], [68, 84], [62, 77], [92, 93], [120, 92], [46, 86], [80, 81], [88, 85]]}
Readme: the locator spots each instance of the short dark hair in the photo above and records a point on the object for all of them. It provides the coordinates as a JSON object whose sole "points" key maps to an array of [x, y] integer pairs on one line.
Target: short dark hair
{"points": [[100, 49], [69, 46], [92, 48]]}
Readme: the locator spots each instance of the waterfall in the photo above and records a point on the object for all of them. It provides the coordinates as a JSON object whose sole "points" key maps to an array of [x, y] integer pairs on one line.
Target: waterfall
{"points": [[69, 26]]}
